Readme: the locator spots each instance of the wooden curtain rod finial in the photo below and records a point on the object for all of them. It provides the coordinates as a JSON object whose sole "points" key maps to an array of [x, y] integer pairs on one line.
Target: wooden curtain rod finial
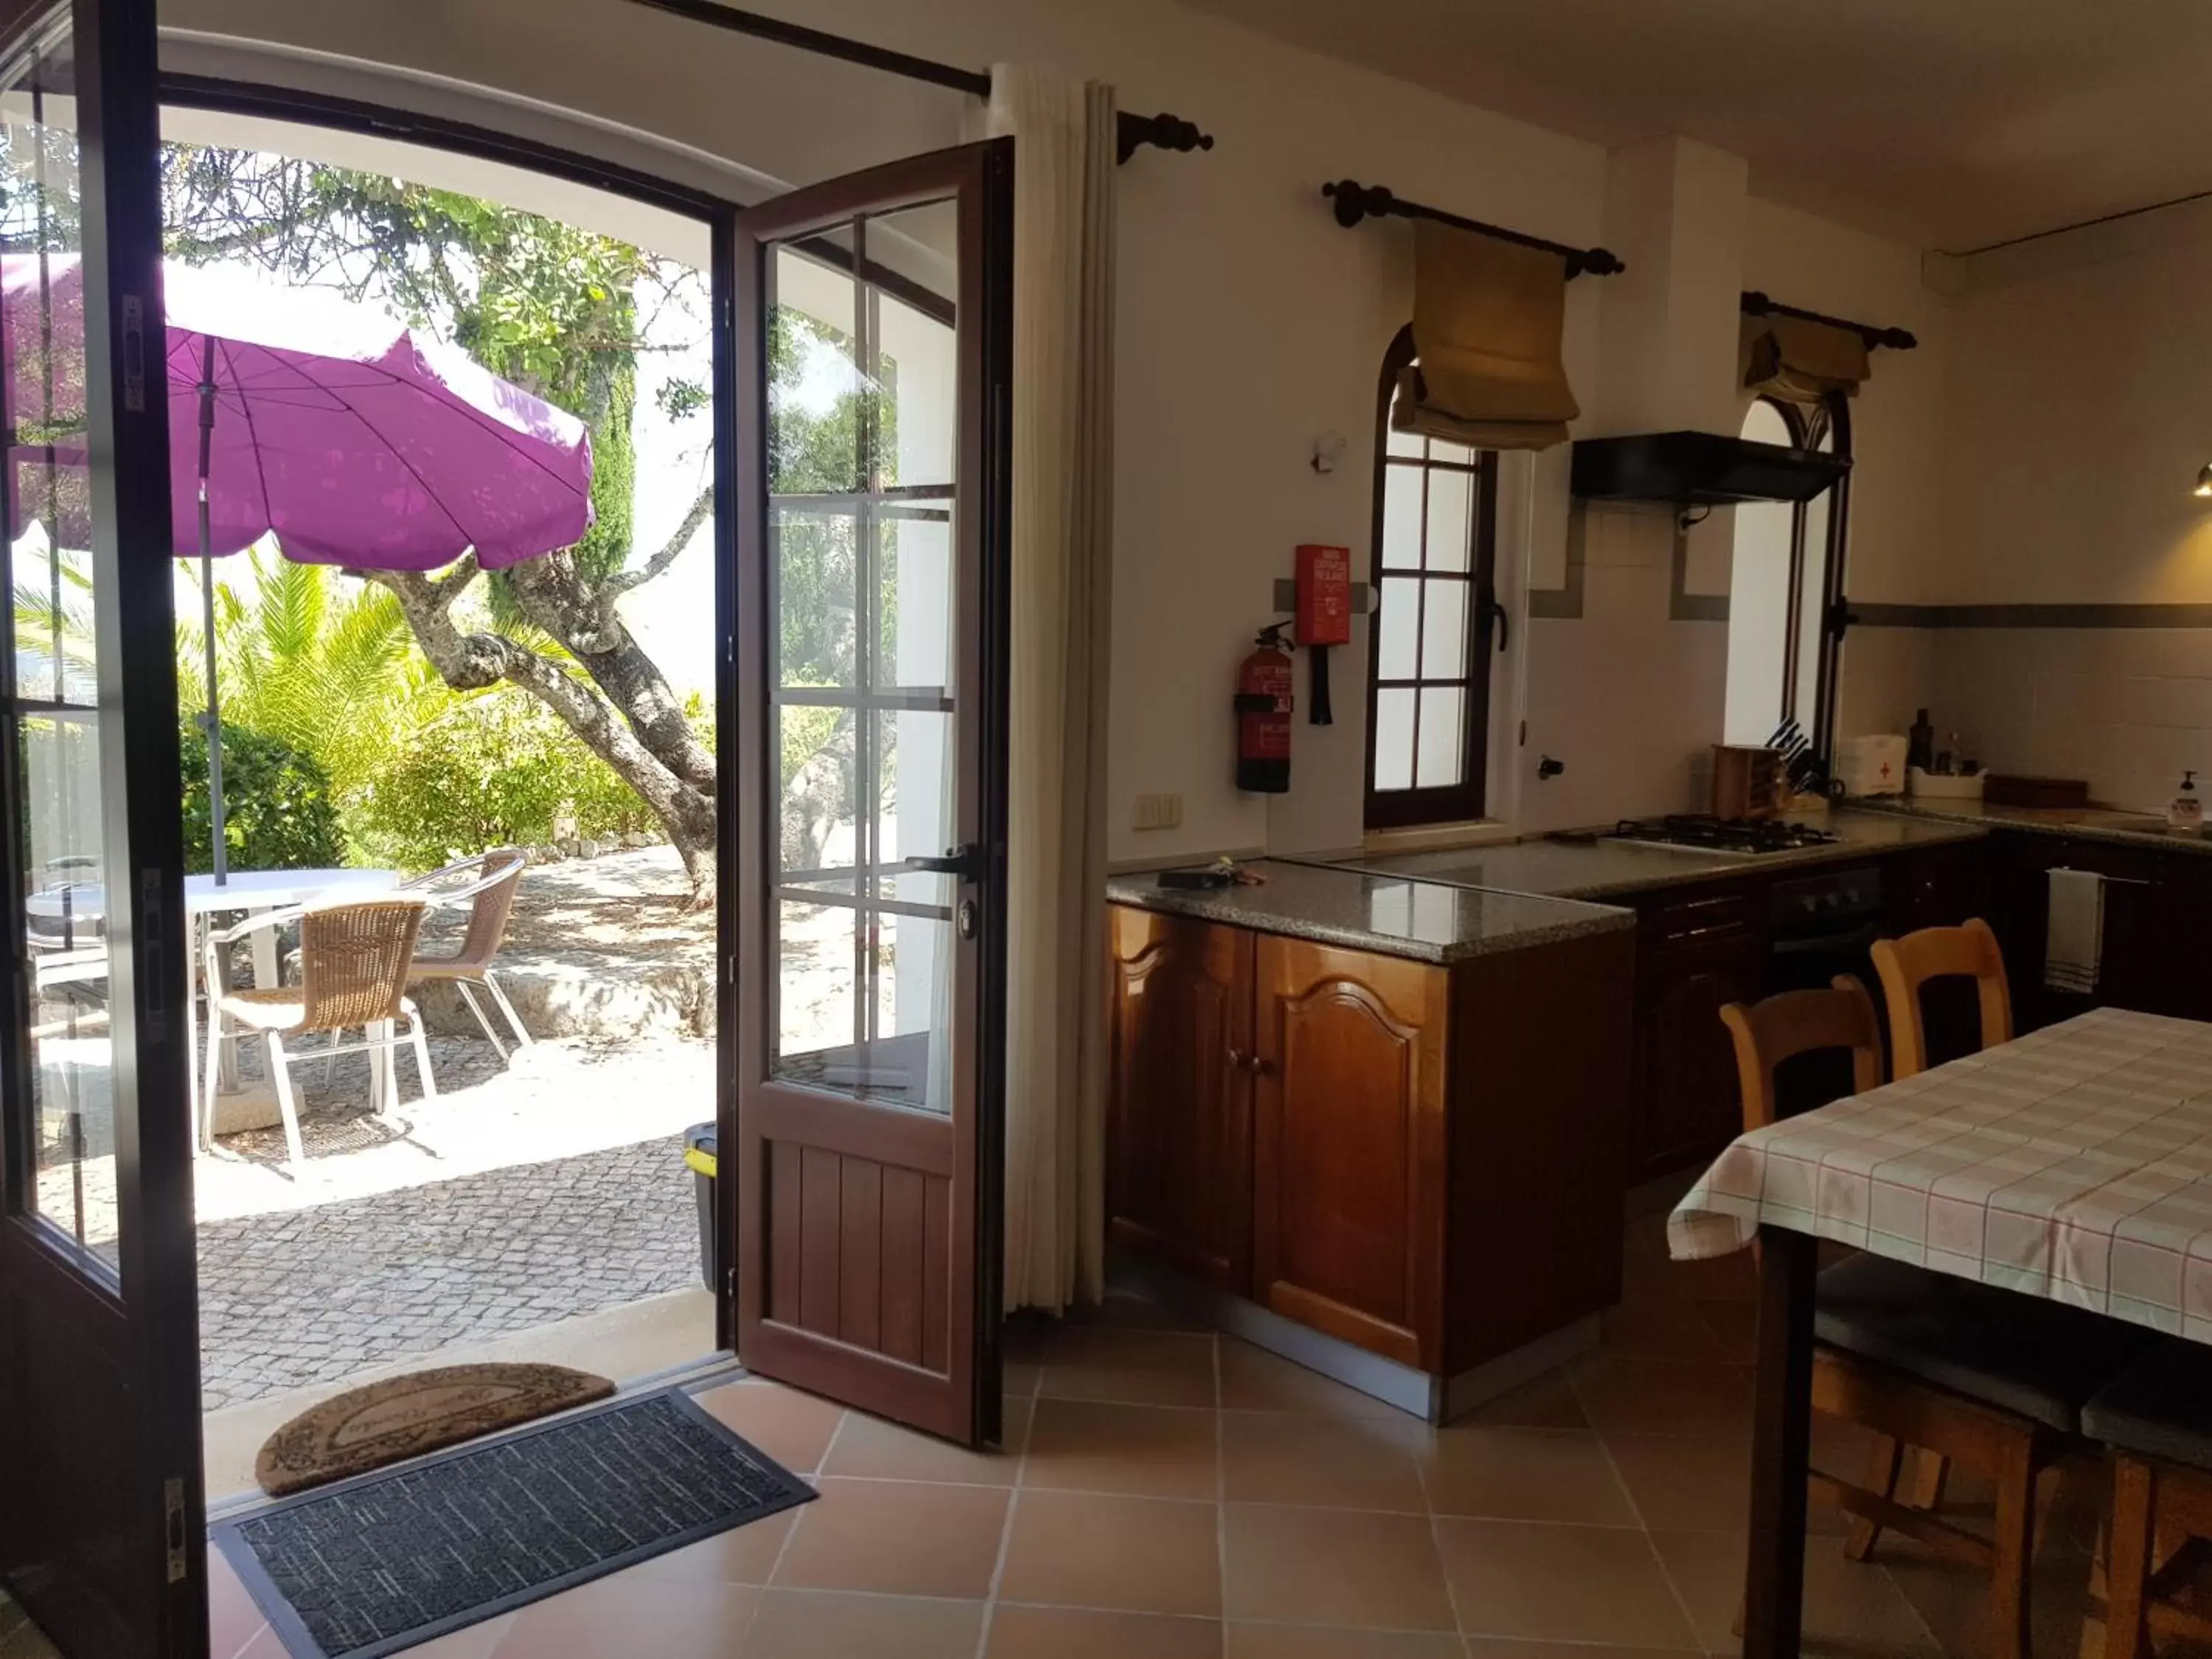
{"points": [[1162, 132], [1756, 304], [1355, 202]]}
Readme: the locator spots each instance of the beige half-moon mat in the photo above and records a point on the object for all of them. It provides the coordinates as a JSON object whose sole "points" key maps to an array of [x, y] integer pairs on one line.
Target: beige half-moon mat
{"points": [[404, 1417]]}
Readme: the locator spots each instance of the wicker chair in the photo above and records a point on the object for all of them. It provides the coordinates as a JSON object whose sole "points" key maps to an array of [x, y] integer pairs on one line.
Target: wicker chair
{"points": [[353, 963], [489, 881]]}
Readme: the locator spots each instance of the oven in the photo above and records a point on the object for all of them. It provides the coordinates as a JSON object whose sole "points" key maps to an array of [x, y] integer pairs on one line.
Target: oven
{"points": [[1820, 925]]}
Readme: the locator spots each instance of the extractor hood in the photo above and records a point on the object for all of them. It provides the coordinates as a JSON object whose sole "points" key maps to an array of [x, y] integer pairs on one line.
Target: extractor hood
{"points": [[1699, 469]]}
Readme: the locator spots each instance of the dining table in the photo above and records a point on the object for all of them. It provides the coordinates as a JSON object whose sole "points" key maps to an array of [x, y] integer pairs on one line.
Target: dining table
{"points": [[2073, 1163]]}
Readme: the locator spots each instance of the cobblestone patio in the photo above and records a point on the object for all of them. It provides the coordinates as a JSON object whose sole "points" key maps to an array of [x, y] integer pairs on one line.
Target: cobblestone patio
{"points": [[315, 1295]]}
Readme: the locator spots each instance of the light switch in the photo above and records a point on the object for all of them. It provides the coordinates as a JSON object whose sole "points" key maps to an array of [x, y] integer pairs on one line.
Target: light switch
{"points": [[1156, 813]]}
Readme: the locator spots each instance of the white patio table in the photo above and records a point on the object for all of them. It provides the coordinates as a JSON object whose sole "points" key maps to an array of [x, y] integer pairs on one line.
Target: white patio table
{"points": [[2073, 1163]]}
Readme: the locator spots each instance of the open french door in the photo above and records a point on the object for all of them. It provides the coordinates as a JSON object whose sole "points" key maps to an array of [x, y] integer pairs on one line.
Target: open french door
{"points": [[100, 1527], [874, 338]]}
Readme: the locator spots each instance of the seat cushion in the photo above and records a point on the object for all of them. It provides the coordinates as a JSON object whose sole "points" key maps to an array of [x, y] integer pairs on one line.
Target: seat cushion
{"points": [[2161, 1406], [2035, 1358]]}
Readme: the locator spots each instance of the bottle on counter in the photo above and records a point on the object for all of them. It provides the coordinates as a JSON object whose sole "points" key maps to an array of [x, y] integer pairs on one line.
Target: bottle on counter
{"points": [[2187, 811], [1920, 744]]}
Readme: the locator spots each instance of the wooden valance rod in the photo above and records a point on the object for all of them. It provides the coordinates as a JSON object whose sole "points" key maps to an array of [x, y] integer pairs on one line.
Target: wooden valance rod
{"points": [[1355, 201], [1163, 131], [1756, 304]]}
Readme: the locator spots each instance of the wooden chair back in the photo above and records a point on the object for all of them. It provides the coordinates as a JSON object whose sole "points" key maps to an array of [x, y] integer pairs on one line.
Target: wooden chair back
{"points": [[1907, 964], [353, 962], [1793, 1023]]}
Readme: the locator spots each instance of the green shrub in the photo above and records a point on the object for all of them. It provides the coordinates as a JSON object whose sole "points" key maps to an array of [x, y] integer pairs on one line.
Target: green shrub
{"points": [[500, 769], [277, 809]]}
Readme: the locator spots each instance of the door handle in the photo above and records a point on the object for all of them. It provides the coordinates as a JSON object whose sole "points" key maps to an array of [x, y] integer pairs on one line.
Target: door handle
{"points": [[964, 862], [1488, 611]]}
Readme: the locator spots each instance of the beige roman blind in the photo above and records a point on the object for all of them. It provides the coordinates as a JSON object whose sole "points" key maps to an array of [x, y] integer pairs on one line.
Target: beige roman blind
{"points": [[1796, 361], [1487, 318]]}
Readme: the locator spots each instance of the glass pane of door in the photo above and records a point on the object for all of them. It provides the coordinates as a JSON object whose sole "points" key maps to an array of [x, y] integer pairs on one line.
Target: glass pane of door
{"points": [[863, 519]]}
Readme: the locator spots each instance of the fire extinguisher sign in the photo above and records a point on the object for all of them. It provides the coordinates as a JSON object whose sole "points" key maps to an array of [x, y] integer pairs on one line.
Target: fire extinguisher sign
{"points": [[1324, 588]]}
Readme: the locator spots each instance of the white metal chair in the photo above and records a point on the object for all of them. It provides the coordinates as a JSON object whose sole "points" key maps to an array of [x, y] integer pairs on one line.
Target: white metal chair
{"points": [[489, 882], [354, 962]]}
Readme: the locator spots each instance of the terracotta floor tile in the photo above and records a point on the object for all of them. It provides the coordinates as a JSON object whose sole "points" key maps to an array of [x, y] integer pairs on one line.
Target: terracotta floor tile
{"points": [[1254, 1380], [1734, 1326], [1660, 1327], [1147, 1451], [1311, 1642], [1018, 1380], [1332, 1567], [1124, 1311], [897, 1538], [743, 1555], [793, 1428], [233, 1619], [1848, 1606], [1662, 1397], [1129, 1367], [1547, 1402], [1553, 1583], [1335, 1462], [794, 1623], [1130, 1554], [1066, 1633], [477, 1641], [1027, 1338], [2065, 1620], [1525, 1474], [868, 1446], [685, 1619]]}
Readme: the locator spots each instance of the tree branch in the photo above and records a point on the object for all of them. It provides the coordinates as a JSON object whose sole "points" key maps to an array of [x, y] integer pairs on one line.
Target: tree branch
{"points": [[624, 581]]}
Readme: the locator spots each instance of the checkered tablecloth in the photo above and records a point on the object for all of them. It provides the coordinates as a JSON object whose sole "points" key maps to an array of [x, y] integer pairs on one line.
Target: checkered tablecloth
{"points": [[2075, 1164]]}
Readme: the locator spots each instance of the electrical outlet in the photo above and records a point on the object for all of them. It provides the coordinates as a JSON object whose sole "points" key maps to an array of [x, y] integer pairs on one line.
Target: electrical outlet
{"points": [[1156, 813]]}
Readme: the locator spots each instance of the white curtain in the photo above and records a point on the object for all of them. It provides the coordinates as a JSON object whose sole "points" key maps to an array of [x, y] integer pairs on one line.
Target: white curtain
{"points": [[1064, 132]]}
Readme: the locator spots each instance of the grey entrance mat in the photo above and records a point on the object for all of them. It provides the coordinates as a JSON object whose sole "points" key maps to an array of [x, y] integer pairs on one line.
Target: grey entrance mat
{"points": [[373, 1565]]}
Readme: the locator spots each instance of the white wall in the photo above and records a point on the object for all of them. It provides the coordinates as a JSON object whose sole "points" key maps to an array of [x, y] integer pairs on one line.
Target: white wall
{"points": [[1250, 325]]}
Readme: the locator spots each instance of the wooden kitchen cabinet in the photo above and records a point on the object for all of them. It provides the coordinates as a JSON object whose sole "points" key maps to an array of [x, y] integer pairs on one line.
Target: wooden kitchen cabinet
{"points": [[1424, 1161], [1179, 1100], [1936, 886], [2136, 926], [1349, 1153], [1695, 956]]}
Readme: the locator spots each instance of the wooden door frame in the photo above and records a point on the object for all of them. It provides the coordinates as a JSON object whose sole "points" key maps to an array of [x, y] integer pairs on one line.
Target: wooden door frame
{"points": [[968, 1406], [149, 1583]]}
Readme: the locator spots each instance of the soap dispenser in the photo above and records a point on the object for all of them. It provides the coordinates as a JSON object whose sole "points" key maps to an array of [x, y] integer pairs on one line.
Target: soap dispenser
{"points": [[2186, 814]]}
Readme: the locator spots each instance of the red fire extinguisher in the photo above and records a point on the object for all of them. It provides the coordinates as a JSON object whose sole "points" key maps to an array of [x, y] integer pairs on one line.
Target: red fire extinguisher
{"points": [[1263, 715]]}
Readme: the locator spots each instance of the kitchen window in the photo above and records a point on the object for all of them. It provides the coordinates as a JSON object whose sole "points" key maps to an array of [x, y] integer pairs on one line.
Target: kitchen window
{"points": [[1786, 572], [1430, 650]]}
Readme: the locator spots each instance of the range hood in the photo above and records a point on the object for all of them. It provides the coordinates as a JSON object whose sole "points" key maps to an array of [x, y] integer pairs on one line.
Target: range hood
{"points": [[1699, 469]]}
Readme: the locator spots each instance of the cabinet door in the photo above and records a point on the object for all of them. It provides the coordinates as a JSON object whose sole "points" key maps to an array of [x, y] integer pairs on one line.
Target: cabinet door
{"points": [[1688, 1100], [1349, 1146], [1179, 1114], [2134, 969], [1933, 887]]}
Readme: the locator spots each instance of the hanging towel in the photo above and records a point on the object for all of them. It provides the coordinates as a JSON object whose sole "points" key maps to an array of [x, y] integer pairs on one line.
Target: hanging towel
{"points": [[2073, 947]]}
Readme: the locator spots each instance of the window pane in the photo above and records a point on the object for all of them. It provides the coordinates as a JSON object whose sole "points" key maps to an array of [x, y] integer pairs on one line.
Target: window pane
{"points": [[1393, 740], [816, 559], [1409, 444], [1439, 762], [1450, 500], [1401, 518], [1398, 625], [1444, 631], [1455, 454]]}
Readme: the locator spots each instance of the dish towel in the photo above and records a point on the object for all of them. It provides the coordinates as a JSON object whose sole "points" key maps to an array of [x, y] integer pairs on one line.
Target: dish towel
{"points": [[2073, 947]]}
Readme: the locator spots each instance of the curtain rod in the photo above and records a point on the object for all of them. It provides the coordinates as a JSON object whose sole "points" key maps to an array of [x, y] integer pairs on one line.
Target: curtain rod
{"points": [[1135, 132], [1756, 304], [1355, 201]]}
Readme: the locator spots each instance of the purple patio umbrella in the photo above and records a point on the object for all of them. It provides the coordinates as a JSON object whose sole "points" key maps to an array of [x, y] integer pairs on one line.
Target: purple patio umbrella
{"points": [[356, 440]]}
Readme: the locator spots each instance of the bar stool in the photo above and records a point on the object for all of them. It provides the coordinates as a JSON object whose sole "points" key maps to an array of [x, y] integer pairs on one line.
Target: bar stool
{"points": [[1967, 1373], [1906, 965], [2156, 1420]]}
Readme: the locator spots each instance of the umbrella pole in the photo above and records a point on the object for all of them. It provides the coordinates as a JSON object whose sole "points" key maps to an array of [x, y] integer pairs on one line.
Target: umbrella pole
{"points": [[212, 720]]}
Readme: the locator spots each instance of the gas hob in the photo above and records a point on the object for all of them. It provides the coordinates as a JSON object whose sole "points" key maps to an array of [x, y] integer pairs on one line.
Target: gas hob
{"points": [[1736, 837]]}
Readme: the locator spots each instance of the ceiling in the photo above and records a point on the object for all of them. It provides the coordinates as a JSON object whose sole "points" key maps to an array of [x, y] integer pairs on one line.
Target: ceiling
{"points": [[1949, 124]]}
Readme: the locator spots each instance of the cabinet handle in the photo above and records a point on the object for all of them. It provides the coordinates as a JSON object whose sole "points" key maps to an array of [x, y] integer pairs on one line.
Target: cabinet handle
{"points": [[1250, 1065]]}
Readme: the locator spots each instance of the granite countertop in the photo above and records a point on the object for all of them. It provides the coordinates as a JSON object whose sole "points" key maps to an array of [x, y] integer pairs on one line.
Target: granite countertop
{"points": [[1604, 869], [2090, 823], [1394, 915]]}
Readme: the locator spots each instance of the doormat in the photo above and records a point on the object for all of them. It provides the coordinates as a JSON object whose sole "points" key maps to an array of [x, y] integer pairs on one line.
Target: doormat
{"points": [[379, 1564], [410, 1416]]}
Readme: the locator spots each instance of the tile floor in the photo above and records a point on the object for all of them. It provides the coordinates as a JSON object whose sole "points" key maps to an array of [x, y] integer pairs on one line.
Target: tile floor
{"points": [[1167, 1494]]}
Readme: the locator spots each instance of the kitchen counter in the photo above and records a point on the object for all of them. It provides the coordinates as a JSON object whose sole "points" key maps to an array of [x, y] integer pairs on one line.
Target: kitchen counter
{"points": [[2090, 823], [1602, 869], [1382, 912]]}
